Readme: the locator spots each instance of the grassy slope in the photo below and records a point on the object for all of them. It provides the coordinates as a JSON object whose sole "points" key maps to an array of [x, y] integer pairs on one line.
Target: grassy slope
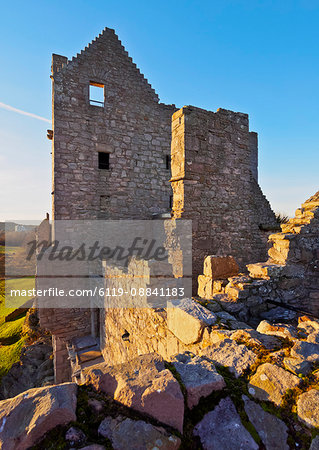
{"points": [[11, 339]]}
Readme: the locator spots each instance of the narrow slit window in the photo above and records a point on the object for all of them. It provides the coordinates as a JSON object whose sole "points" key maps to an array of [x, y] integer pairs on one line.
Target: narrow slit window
{"points": [[168, 162], [104, 161], [96, 94]]}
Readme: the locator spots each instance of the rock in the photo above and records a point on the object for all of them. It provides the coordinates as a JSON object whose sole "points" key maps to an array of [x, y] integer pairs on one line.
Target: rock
{"points": [[232, 306], [222, 429], [307, 324], [271, 382], [142, 384], [31, 371], [271, 430], [228, 353], [231, 321], [281, 330], [313, 337], [213, 306], [297, 366], [308, 408], [205, 287], [95, 405], [305, 351], [136, 435], [254, 338], [186, 319], [75, 436], [25, 418], [315, 444], [93, 447], [278, 313], [264, 270], [199, 377], [219, 267], [217, 335]]}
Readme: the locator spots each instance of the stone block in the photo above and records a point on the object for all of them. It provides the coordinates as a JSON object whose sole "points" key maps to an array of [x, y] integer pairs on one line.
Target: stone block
{"points": [[131, 434], [219, 267], [223, 429], [272, 431], [142, 384], [186, 319], [24, 419], [308, 408], [199, 377], [270, 383], [205, 287], [264, 270], [237, 357]]}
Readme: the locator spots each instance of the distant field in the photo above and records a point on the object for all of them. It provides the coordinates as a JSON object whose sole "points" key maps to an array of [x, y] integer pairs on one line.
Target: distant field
{"points": [[7, 249]]}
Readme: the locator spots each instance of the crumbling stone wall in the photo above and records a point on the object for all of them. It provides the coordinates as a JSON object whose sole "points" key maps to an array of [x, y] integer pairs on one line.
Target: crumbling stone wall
{"points": [[132, 127], [62, 323], [214, 181], [290, 277], [214, 173]]}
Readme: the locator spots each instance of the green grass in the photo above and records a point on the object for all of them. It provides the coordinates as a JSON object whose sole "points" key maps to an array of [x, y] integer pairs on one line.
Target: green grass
{"points": [[11, 337], [10, 332], [10, 354], [3, 310], [11, 343], [6, 249], [21, 284]]}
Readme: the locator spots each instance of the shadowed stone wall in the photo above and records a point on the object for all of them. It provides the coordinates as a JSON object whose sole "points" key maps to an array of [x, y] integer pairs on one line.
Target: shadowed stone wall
{"points": [[214, 171]]}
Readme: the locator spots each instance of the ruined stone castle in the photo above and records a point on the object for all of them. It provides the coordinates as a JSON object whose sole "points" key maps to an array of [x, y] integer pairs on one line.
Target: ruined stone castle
{"points": [[118, 153]]}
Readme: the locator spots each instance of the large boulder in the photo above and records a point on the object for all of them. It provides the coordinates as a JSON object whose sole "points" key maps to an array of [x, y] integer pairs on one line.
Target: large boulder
{"points": [[222, 429], [271, 383], [199, 377], [142, 384], [186, 319], [25, 418], [237, 357], [131, 434], [271, 430], [308, 408]]}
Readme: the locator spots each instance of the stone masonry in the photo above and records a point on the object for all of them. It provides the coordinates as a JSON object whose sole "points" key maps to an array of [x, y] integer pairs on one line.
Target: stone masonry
{"points": [[290, 277], [111, 159], [215, 185], [132, 127]]}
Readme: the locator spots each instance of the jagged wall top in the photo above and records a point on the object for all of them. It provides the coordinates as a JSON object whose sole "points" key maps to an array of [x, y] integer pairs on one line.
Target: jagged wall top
{"points": [[313, 198], [107, 38]]}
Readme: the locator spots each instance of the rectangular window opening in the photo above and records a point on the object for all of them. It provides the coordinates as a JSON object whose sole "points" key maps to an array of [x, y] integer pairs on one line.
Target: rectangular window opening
{"points": [[96, 94], [168, 162], [104, 161]]}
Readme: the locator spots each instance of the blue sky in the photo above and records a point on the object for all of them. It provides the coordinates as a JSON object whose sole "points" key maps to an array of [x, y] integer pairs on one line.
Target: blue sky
{"points": [[258, 57]]}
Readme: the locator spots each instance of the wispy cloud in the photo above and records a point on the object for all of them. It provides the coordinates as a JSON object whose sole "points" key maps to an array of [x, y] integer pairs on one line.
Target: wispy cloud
{"points": [[24, 113]]}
